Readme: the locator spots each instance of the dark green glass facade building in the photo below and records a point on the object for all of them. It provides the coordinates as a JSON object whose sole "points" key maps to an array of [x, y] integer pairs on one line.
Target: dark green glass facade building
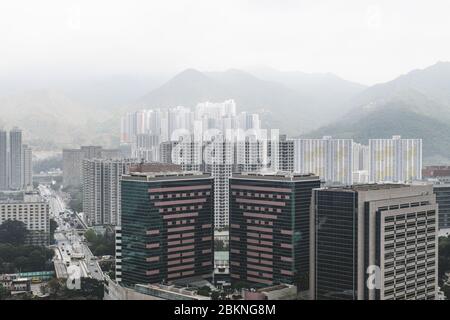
{"points": [[167, 227], [269, 228]]}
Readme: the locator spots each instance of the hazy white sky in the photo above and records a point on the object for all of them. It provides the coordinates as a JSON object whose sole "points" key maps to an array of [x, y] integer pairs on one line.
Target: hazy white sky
{"points": [[360, 40]]}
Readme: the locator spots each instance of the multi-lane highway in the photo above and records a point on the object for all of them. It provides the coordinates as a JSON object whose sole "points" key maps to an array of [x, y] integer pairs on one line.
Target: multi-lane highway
{"points": [[70, 248]]}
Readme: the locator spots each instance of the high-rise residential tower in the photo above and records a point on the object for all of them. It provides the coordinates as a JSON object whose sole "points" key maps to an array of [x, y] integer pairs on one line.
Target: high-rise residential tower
{"points": [[27, 166], [73, 161], [101, 189], [395, 160], [15, 159], [4, 175], [331, 159]]}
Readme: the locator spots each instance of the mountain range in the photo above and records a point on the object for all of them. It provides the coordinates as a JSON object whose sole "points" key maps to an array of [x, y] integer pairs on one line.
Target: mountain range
{"points": [[414, 105], [292, 101]]}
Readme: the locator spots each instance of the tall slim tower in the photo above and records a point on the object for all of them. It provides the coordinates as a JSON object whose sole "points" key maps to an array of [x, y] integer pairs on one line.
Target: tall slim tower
{"points": [[27, 166], [15, 159], [4, 181]]}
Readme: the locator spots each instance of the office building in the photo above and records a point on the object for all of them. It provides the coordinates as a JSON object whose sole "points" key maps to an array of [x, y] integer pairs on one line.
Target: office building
{"points": [[395, 160], [34, 212], [269, 228], [167, 227], [374, 242], [442, 191]]}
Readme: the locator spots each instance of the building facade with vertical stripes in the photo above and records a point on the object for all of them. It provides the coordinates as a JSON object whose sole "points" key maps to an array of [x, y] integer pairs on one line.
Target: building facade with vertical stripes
{"points": [[331, 159], [395, 160], [269, 227]]}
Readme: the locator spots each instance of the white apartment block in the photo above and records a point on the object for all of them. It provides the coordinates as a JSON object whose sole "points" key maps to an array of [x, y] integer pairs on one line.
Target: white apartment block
{"points": [[73, 162], [34, 212], [146, 147], [395, 160], [198, 140], [331, 159], [101, 190]]}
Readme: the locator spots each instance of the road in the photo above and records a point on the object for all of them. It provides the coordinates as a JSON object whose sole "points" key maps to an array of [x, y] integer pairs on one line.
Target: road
{"points": [[70, 248]]}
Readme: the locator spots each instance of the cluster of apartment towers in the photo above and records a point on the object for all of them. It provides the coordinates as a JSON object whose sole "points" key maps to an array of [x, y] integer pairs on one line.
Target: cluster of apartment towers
{"points": [[323, 232], [18, 201], [15, 161]]}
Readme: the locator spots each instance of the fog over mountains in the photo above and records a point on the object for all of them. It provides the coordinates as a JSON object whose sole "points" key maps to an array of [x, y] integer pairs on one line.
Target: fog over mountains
{"points": [[414, 105]]}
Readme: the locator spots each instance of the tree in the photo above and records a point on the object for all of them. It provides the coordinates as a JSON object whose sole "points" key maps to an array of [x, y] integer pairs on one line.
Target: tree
{"points": [[44, 289], [54, 286], [204, 291], [215, 295], [92, 288], [90, 236], [13, 232], [4, 293], [101, 250], [238, 286]]}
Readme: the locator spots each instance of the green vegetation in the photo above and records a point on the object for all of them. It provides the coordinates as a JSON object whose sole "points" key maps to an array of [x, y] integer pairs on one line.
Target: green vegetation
{"points": [[108, 267], [394, 120], [101, 245], [444, 258], [91, 289], [444, 265], [239, 285], [4, 293], [22, 258], [13, 232], [15, 256], [204, 291]]}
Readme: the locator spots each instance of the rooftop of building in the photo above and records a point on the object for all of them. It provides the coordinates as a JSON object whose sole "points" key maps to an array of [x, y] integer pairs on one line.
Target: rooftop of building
{"points": [[145, 167], [186, 288], [276, 175], [165, 175], [372, 187], [21, 197]]}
